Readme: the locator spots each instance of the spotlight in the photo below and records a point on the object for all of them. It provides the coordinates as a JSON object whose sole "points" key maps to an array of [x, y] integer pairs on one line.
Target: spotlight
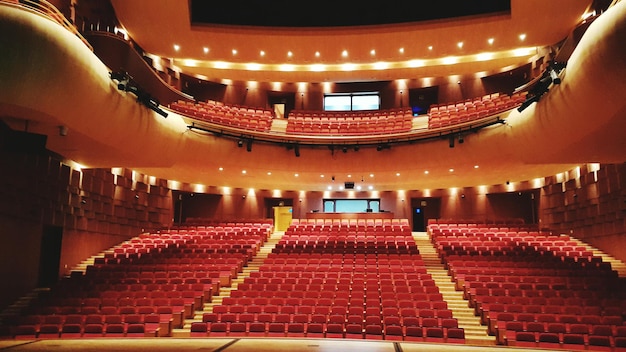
{"points": [[381, 147], [461, 140], [356, 148], [555, 76], [296, 150], [344, 149], [451, 141], [240, 143], [249, 145]]}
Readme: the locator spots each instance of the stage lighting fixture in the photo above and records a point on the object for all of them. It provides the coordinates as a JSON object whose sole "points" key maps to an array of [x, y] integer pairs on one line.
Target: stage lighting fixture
{"points": [[344, 149], [356, 148], [296, 150], [240, 143], [249, 145], [451, 141], [461, 140]]}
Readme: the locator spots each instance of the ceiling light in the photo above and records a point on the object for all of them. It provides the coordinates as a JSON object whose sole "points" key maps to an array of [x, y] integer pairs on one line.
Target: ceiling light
{"points": [[317, 54], [176, 47], [269, 173], [370, 187], [475, 166], [522, 36], [289, 54], [451, 170], [244, 172], [372, 52], [220, 169], [397, 174], [234, 51], [262, 53], [344, 53], [490, 41], [401, 50], [430, 47], [348, 67], [206, 50], [329, 188], [460, 45], [426, 172], [318, 68]]}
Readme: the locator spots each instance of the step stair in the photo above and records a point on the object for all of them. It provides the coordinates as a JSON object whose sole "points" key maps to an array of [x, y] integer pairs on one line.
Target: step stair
{"points": [[475, 332], [253, 265]]}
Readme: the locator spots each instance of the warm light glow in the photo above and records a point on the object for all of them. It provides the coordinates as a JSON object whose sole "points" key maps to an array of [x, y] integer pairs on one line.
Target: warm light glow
{"points": [[397, 174], [482, 189], [234, 51], [322, 176], [269, 173], [174, 185], [426, 172], [490, 41], [381, 65], [348, 67], [430, 47], [262, 53], [401, 50], [484, 56], [344, 53], [329, 188], [476, 166], [523, 51], [450, 60], [318, 68], [538, 182], [317, 54], [286, 67], [594, 167], [244, 172], [220, 169], [277, 193], [371, 188], [296, 175], [371, 175], [176, 47], [522, 36], [289, 54], [199, 188], [460, 45], [253, 84], [416, 63], [426, 192], [206, 50], [226, 190], [253, 66], [373, 52], [451, 170], [586, 15], [277, 86], [358, 188], [221, 64], [453, 191]]}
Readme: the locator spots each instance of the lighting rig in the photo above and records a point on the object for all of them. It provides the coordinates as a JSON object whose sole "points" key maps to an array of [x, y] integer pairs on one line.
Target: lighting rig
{"points": [[126, 83], [542, 85]]}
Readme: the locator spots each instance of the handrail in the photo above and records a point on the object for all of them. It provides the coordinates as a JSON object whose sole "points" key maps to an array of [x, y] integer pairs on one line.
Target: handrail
{"points": [[49, 11]]}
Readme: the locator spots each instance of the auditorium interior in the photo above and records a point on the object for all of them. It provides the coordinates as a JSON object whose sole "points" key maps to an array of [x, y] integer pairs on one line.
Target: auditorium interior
{"points": [[353, 176]]}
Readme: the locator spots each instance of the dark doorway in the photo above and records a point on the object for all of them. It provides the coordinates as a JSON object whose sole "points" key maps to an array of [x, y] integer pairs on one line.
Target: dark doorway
{"points": [[50, 255], [418, 219]]}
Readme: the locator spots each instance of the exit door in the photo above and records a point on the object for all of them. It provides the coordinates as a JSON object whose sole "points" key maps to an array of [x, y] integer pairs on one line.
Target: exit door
{"points": [[418, 219]]}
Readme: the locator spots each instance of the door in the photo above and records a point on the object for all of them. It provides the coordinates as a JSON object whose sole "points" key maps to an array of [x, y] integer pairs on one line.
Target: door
{"points": [[50, 255], [418, 219]]}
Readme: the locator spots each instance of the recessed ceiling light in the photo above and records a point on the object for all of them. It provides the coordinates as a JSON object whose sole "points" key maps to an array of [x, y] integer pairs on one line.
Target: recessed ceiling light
{"points": [[371, 175], [206, 50], [221, 169], [349, 176], [370, 188], [269, 173], [296, 175], [397, 174], [475, 166], [460, 45], [329, 187], [344, 53], [176, 47], [289, 53], [244, 171], [317, 54], [426, 172], [490, 41], [401, 50], [234, 51], [358, 188], [451, 170], [322, 176], [372, 52], [522, 36], [262, 53], [430, 47]]}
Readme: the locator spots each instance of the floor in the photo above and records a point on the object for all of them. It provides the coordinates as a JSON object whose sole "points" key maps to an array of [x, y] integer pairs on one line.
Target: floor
{"points": [[238, 345]]}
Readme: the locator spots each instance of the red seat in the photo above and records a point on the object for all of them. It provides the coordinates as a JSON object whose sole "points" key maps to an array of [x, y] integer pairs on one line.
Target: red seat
{"points": [[199, 329], [373, 332], [394, 332]]}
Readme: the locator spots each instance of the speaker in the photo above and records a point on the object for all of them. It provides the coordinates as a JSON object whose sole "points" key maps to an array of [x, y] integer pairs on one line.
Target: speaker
{"points": [[348, 185]]}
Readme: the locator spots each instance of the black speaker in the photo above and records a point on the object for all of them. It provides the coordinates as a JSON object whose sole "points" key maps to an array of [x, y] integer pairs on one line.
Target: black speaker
{"points": [[348, 185]]}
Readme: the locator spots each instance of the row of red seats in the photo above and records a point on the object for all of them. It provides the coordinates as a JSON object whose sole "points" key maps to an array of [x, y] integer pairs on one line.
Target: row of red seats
{"points": [[471, 110], [228, 115], [114, 285]]}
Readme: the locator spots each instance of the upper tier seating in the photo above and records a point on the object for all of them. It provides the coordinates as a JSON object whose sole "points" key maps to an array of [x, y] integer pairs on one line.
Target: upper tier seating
{"points": [[248, 118], [155, 280], [532, 288], [451, 114], [350, 123]]}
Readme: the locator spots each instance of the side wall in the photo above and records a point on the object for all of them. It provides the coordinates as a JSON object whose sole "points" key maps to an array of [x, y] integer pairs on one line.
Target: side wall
{"points": [[96, 208]]}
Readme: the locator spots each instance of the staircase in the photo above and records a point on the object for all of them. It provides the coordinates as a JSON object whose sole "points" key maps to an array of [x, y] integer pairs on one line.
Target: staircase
{"points": [[252, 265], [475, 333]]}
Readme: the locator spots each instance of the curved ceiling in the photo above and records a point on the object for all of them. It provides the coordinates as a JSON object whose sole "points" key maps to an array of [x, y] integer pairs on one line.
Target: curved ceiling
{"points": [[107, 128], [481, 43]]}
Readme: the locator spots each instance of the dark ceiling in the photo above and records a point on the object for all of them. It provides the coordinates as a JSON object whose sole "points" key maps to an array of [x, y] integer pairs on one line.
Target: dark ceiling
{"points": [[328, 13]]}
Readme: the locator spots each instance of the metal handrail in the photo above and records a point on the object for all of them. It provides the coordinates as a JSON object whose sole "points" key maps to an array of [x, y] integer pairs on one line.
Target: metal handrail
{"points": [[49, 11]]}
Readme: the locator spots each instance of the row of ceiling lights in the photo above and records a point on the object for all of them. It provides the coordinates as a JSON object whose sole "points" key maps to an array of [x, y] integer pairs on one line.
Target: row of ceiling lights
{"points": [[344, 53]]}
